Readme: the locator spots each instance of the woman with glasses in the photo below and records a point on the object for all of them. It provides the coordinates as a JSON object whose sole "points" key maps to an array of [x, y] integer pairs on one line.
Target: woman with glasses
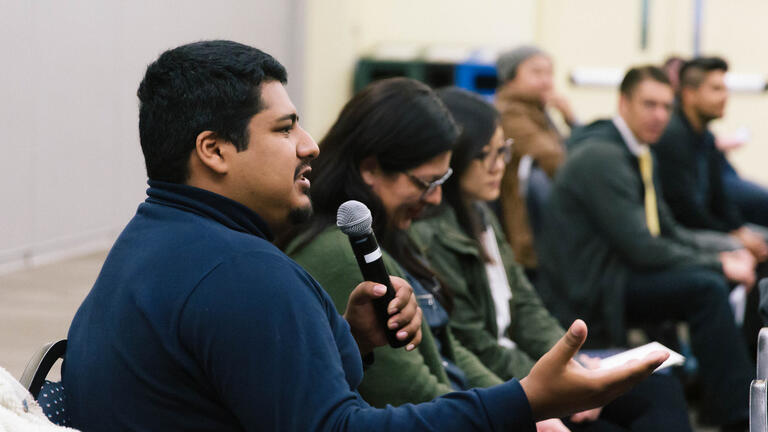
{"points": [[390, 149], [497, 314]]}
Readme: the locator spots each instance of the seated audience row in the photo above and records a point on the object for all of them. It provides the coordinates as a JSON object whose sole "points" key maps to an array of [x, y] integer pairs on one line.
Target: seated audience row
{"points": [[394, 161], [595, 257]]}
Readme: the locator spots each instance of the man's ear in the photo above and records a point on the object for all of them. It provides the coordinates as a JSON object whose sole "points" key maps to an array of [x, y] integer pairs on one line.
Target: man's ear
{"points": [[370, 170], [213, 152]]}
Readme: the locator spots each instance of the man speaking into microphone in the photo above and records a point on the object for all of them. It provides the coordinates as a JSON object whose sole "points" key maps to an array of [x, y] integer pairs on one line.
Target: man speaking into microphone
{"points": [[197, 322]]}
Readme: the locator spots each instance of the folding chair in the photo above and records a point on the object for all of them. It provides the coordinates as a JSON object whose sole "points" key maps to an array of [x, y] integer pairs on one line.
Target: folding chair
{"points": [[50, 395]]}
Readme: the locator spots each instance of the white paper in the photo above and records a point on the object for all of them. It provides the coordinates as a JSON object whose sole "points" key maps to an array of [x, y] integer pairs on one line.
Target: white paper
{"points": [[675, 359]]}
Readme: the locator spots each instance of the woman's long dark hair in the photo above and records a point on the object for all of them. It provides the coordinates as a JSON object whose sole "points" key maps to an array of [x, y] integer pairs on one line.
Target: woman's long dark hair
{"points": [[403, 124], [478, 121]]}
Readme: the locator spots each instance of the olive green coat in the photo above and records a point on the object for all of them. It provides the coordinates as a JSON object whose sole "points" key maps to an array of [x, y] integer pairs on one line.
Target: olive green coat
{"points": [[396, 376], [456, 257]]}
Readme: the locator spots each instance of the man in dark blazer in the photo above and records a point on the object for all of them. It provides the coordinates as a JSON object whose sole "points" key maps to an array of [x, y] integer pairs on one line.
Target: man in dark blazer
{"points": [[612, 253]]}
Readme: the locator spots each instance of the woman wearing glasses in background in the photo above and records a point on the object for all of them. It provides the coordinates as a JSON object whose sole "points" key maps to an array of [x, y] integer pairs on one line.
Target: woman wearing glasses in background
{"points": [[497, 314]]}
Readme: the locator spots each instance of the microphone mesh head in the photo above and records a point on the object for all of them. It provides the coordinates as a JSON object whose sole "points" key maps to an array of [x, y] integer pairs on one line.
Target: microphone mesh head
{"points": [[354, 218]]}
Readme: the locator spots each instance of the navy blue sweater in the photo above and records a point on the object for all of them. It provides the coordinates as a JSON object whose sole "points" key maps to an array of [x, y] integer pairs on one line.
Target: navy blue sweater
{"points": [[197, 322]]}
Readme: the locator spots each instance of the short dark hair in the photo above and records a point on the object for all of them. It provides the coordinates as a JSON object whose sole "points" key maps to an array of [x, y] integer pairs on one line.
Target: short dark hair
{"points": [[207, 85], [693, 72], [638, 74]]}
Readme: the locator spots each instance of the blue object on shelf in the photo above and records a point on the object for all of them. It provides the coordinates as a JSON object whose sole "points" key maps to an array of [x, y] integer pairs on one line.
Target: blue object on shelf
{"points": [[479, 78]]}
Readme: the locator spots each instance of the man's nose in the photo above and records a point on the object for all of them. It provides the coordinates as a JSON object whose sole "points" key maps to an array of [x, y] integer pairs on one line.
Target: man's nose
{"points": [[307, 147]]}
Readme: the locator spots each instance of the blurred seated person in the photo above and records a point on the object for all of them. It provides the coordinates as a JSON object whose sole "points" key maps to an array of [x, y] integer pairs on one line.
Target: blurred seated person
{"points": [[524, 94], [750, 198], [496, 312], [612, 252], [691, 166]]}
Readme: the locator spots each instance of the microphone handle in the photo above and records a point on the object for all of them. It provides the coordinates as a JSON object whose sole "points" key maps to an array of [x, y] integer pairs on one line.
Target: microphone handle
{"points": [[369, 258]]}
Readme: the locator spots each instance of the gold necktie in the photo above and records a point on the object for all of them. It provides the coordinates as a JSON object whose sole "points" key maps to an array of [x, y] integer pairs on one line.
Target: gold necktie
{"points": [[651, 210]]}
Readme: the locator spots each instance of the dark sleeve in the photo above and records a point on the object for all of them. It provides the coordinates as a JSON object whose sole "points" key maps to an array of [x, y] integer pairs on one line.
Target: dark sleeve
{"points": [[273, 348], [612, 191], [676, 166], [730, 213]]}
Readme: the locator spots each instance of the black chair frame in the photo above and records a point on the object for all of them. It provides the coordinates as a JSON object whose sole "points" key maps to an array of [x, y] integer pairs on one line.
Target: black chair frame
{"points": [[40, 364]]}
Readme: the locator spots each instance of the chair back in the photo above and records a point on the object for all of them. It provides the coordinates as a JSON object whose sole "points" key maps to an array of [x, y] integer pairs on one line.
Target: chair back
{"points": [[40, 364], [49, 394]]}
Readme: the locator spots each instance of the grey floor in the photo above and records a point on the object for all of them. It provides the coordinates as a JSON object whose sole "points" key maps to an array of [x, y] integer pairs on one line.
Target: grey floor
{"points": [[37, 305]]}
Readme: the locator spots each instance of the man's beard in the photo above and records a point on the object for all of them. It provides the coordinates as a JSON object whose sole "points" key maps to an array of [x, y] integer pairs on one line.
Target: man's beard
{"points": [[300, 215], [705, 117]]}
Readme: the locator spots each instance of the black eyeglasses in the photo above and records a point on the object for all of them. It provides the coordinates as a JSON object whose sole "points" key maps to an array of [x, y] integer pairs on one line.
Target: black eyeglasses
{"points": [[429, 187], [505, 152]]}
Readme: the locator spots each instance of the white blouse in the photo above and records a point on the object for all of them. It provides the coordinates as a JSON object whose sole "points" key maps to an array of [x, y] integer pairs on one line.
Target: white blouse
{"points": [[499, 284]]}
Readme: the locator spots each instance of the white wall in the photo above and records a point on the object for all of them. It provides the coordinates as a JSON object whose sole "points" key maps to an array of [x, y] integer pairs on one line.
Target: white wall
{"points": [[606, 34], [603, 33], [341, 31], [737, 31], [71, 171]]}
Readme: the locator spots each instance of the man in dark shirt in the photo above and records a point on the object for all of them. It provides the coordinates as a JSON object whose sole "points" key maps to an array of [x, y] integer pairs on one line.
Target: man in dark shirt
{"points": [[690, 166], [198, 322]]}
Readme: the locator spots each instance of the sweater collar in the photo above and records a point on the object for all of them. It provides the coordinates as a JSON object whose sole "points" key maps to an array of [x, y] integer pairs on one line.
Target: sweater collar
{"points": [[205, 203]]}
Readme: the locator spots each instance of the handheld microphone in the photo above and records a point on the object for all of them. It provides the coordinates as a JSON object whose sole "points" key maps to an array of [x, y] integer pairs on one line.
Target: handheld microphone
{"points": [[354, 219]]}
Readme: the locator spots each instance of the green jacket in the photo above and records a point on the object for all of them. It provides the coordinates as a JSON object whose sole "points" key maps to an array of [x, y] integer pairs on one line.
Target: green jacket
{"points": [[396, 376], [595, 234], [456, 257]]}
